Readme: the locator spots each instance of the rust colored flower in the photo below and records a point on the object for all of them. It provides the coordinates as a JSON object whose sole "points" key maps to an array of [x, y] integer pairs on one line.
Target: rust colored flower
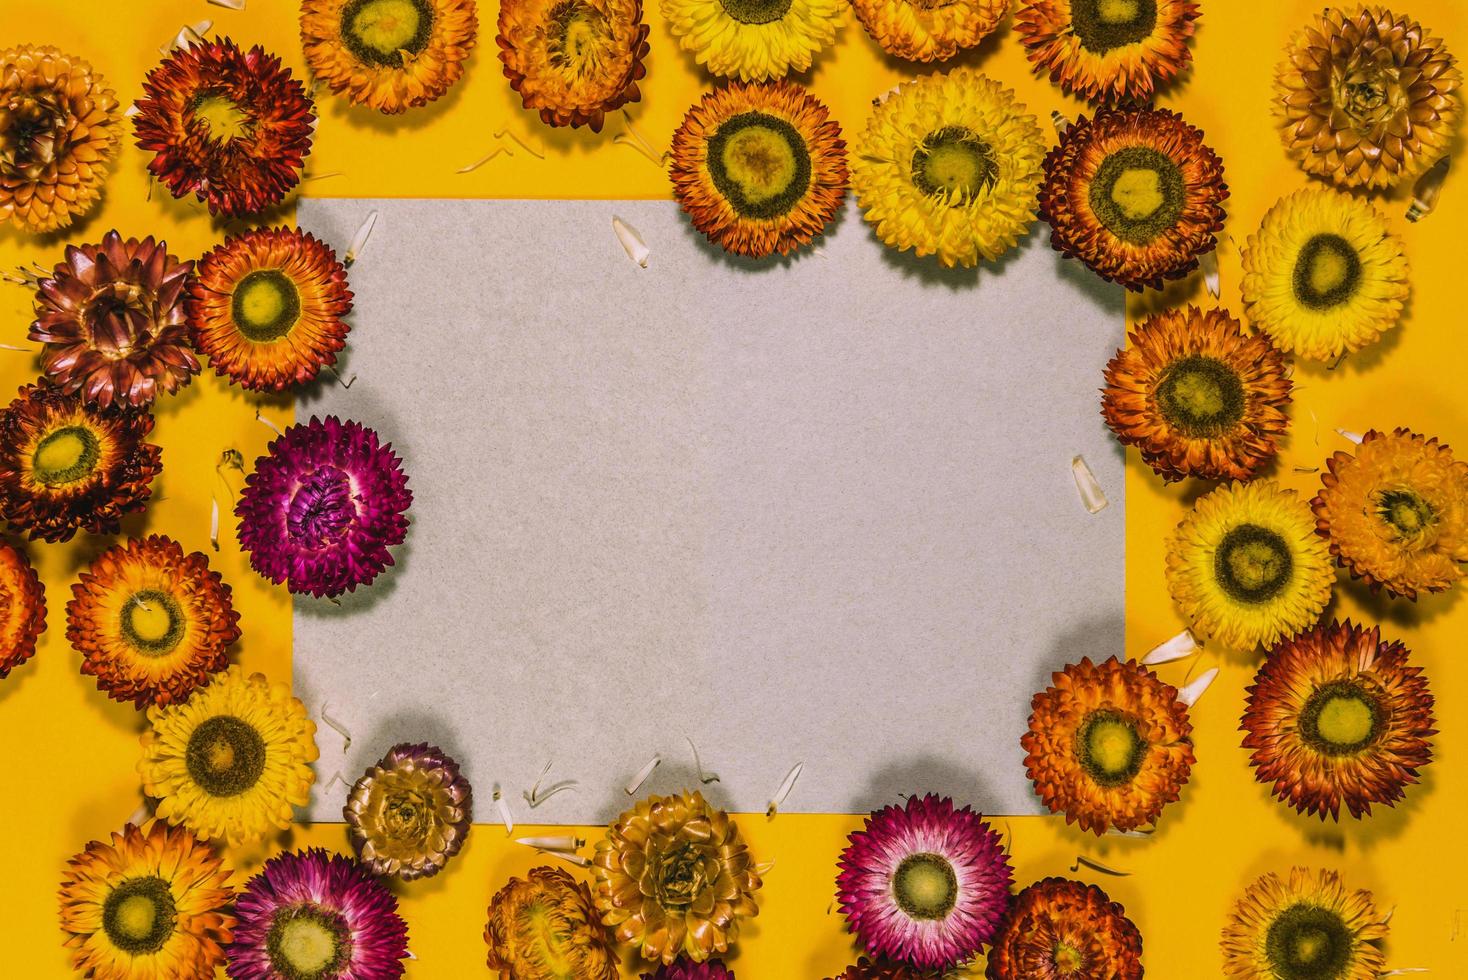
{"points": [[544, 927], [22, 609], [1108, 50], [1058, 929]]}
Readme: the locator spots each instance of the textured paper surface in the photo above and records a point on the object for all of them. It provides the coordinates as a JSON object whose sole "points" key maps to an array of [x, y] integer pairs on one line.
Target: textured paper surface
{"points": [[817, 510]]}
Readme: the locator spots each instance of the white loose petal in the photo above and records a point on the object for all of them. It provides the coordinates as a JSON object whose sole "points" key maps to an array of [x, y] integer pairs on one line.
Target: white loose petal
{"points": [[1349, 435], [635, 783], [1425, 192], [1180, 646], [214, 522], [1061, 121], [187, 36], [576, 859], [637, 249], [359, 240], [1190, 694], [267, 423], [132, 110], [470, 168], [566, 843], [1208, 262], [506, 817], [783, 792], [229, 4], [1092, 496]]}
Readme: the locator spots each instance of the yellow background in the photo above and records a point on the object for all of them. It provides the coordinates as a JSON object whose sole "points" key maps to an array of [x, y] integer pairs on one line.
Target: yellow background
{"points": [[69, 753]]}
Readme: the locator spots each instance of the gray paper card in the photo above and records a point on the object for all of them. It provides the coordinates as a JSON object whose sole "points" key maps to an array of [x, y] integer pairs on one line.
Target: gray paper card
{"points": [[812, 511]]}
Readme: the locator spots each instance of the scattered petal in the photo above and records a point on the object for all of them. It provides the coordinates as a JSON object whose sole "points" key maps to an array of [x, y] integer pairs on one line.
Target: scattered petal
{"points": [[1349, 435], [267, 423], [514, 138], [566, 843], [1208, 262], [229, 4], [482, 161], [1061, 121], [1190, 694], [637, 249], [359, 240], [1425, 192], [504, 810], [1180, 646], [1082, 860], [703, 777], [337, 727], [1091, 493], [636, 783], [784, 791]]}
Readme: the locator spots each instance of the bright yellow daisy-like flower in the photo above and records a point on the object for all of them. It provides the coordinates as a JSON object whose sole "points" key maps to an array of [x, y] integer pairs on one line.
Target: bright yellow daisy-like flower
{"points": [[929, 30], [1338, 716], [573, 61], [1396, 513], [1307, 926], [150, 622], [949, 166], [1108, 50], [153, 902], [753, 40], [22, 609], [759, 168], [231, 761], [1198, 396], [267, 308], [1109, 745], [391, 55], [1323, 275], [1246, 566]]}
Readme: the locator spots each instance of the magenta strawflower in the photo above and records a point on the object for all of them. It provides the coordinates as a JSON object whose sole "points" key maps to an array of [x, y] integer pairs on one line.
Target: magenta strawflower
{"points": [[685, 969], [319, 915], [926, 884], [323, 507]]}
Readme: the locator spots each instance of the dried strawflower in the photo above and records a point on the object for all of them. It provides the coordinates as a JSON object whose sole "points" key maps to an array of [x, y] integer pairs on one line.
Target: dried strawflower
{"points": [[22, 609], [544, 927], [410, 813]]}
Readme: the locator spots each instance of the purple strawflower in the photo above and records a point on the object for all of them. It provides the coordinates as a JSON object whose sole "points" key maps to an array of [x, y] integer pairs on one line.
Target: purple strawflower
{"points": [[685, 969], [926, 884], [323, 506], [319, 915]]}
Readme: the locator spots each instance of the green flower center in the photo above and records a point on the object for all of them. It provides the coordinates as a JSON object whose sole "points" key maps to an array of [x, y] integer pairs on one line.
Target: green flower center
{"points": [[760, 164], [1341, 718], [307, 942], [225, 756], [953, 161], [1201, 396], [66, 456], [151, 622], [379, 32], [1407, 513], [1067, 959], [1137, 194], [222, 118], [1109, 748], [1253, 564], [1327, 272], [756, 11], [139, 915], [576, 38], [1104, 25], [1307, 942], [925, 886], [265, 305]]}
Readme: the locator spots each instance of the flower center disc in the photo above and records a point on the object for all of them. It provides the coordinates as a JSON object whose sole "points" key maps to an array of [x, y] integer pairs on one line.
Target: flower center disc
{"points": [[760, 164], [1327, 272], [1068, 960], [1253, 564], [954, 161], [223, 120], [225, 756], [680, 879], [139, 915], [266, 305], [151, 622], [1103, 25], [1201, 396], [307, 943], [379, 32], [405, 816], [1137, 194], [925, 886], [1406, 512], [578, 38], [66, 456], [1340, 718], [1307, 942], [756, 11], [322, 508], [1109, 748]]}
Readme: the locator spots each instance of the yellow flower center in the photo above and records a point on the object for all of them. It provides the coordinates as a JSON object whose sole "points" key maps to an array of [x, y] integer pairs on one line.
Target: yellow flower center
{"points": [[1117, 11], [925, 886], [266, 305], [1138, 192], [308, 945], [139, 915], [1068, 959], [387, 26], [150, 622], [222, 119], [136, 916], [65, 456], [760, 161], [953, 161], [1109, 748], [1112, 746], [1327, 271], [1345, 721]]}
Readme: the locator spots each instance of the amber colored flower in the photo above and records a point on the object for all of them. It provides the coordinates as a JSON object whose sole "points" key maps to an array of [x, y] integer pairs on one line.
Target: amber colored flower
{"points": [[1304, 927], [22, 609], [150, 622], [65, 467], [929, 30], [673, 877], [112, 319], [1337, 716], [391, 55], [1198, 396], [410, 813], [1135, 194], [154, 902], [759, 168], [231, 127], [1108, 50], [267, 308], [60, 126], [1367, 98], [1059, 929], [1109, 745], [544, 927], [1396, 512], [573, 61]]}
